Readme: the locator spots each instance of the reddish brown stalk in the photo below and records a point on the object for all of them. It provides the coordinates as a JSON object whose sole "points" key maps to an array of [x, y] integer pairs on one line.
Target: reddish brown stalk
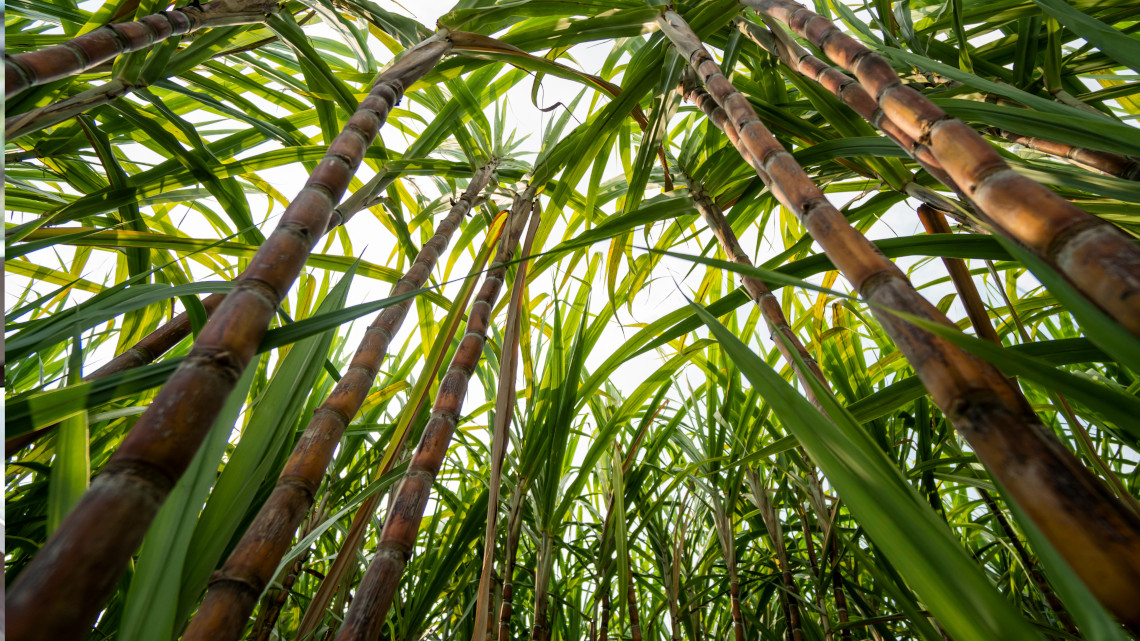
{"points": [[1097, 257], [60, 593], [234, 589], [141, 353], [274, 600], [345, 563], [634, 617], [514, 529], [1108, 163], [604, 630], [24, 70], [935, 223], [365, 617], [1098, 535]]}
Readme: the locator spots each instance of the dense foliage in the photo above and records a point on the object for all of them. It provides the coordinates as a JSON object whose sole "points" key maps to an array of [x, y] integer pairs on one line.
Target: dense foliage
{"points": [[641, 451]]}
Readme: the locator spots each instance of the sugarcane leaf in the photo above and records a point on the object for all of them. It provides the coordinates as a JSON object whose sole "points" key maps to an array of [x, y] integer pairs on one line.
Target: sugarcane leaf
{"points": [[157, 572], [906, 530]]}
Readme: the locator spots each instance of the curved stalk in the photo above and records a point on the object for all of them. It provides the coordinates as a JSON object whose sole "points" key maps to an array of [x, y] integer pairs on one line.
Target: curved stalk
{"points": [[25, 70], [365, 617], [1097, 257], [234, 589], [60, 593], [1097, 535]]}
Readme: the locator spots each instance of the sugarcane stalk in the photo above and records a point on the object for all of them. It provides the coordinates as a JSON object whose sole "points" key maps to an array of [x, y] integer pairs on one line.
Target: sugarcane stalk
{"points": [[365, 617], [935, 223], [32, 68], [604, 633], [1097, 257], [514, 529], [847, 90], [398, 451], [61, 591], [840, 593], [500, 435], [233, 589], [631, 596], [273, 601], [1093, 530], [1105, 162], [759, 291], [544, 562]]}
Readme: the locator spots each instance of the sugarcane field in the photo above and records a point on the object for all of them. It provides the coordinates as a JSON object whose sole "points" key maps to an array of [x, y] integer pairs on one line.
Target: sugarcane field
{"points": [[571, 320]]}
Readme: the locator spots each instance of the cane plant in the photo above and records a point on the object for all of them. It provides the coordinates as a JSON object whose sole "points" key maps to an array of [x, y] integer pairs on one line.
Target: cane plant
{"points": [[694, 320]]}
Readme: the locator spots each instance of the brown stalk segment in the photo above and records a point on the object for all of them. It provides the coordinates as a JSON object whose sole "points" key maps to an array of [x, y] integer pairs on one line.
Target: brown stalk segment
{"points": [[1112, 164], [603, 634], [374, 594], [737, 615], [24, 70], [150, 347], [60, 593], [1098, 536], [935, 223], [847, 90], [1096, 256], [500, 435], [514, 528], [634, 617], [345, 561], [759, 291], [235, 588]]}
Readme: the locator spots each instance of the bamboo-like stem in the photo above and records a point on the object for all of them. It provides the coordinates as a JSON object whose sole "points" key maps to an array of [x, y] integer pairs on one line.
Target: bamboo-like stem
{"points": [[1105, 162], [60, 593], [1094, 531], [25, 70], [365, 617], [514, 529], [631, 597], [847, 90], [544, 564], [759, 291], [233, 590], [272, 603], [397, 452], [935, 223], [500, 435], [1098, 258], [604, 628]]}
